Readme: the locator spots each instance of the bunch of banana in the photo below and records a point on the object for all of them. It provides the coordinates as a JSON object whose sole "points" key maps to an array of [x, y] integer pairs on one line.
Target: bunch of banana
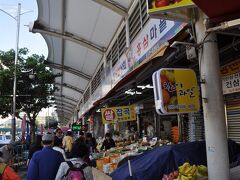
{"points": [[187, 172], [202, 171]]}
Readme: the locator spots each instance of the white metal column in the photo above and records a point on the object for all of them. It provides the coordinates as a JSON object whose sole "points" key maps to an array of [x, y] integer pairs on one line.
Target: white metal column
{"points": [[213, 106]]}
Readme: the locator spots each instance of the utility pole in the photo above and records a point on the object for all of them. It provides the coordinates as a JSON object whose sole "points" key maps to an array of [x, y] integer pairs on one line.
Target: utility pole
{"points": [[213, 105], [15, 75], [17, 18]]}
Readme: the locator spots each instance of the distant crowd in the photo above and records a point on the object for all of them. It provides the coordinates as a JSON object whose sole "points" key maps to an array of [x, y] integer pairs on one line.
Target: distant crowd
{"points": [[56, 156]]}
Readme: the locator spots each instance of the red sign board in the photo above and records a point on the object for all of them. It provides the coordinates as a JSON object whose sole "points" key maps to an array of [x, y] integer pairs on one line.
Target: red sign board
{"points": [[109, 115]]}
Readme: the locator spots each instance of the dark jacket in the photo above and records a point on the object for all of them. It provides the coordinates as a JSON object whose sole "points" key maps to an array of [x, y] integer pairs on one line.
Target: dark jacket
{"points": [[107, 144], [91, 144], [44, 164], [33, 149]]}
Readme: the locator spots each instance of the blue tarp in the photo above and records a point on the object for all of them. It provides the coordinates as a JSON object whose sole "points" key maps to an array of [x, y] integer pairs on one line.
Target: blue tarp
{"points": [[163, 160]]}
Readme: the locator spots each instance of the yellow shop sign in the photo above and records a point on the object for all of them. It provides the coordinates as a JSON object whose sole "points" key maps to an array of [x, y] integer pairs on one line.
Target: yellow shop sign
{"points": [[118, 114], [175, 91]]}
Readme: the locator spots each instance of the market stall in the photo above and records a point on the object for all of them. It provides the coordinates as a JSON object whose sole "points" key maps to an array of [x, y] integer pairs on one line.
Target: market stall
{"points": [[164, 160]]}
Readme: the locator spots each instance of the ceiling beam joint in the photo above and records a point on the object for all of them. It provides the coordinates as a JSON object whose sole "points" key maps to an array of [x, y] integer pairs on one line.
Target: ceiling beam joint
{"points": [[40, 28], [115, 7]]}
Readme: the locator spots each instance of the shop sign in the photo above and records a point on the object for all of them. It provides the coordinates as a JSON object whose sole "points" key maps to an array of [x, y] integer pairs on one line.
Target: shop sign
{"points": [[119, 69], [118, 114], [155, 34], [175, 91], [170, 9], [231, 77], [76, 127]]}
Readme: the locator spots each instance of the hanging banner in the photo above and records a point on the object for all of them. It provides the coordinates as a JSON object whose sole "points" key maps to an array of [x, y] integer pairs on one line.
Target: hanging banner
{"points": [[231, 77], [175, 91], [152, 37], [170, 9], [118, 114], [120, 69]]}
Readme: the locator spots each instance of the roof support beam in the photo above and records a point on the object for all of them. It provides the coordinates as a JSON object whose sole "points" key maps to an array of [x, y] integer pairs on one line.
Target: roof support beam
{"points": [[66, 97], [62, 99], [70, 87], [64, 109], [64, 105], [65, 102], [63, 113], [39, 28], [68, 69], [113, 6]]}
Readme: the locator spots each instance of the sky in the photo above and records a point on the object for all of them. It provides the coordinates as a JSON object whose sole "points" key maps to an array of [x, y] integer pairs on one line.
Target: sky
{"points": [[34, 42], [8, 26]]}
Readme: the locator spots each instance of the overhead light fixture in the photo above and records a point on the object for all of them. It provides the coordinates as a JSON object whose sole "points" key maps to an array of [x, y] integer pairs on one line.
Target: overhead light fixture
{"points": [[129, 92], [145, 86], [138, 92], [149, 86], [141, 87], [132, 92]]}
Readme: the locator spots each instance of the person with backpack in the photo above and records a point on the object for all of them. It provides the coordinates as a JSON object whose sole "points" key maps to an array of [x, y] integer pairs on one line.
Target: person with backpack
{"points": [[75, 168], [7, 173]]}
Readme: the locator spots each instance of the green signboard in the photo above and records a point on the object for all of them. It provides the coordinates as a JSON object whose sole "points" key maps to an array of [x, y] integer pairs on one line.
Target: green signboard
{"points": [[76, 127]]}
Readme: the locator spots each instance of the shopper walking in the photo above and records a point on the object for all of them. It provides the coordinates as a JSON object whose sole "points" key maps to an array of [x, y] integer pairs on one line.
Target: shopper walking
{"points": [[59, 134], [91, 143], [67, 143], [37, 146], [58, 147], [45, 163], [81, 138], [76, 166]]}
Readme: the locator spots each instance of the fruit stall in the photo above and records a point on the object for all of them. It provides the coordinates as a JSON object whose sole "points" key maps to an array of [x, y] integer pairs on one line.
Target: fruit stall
{"points": [[180, 161]]}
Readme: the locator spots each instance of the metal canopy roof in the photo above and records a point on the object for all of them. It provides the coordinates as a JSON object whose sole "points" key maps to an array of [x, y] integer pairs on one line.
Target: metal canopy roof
{"points": [[77, 33]]}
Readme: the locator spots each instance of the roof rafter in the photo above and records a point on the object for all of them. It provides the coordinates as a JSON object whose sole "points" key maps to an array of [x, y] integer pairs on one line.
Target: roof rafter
{"points": [[65, 102], [70, 87], [68, 69], [64, 114], [40, 28], [64, 105], [115, 7], [66, 97], [60, 107]]}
